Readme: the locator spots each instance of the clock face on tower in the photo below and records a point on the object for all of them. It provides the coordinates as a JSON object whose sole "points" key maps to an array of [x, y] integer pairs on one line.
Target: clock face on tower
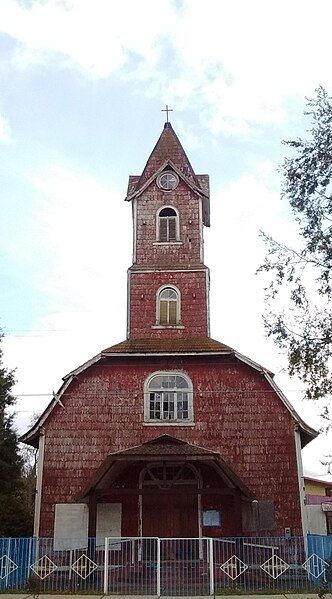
{"points": [[168, 181]]}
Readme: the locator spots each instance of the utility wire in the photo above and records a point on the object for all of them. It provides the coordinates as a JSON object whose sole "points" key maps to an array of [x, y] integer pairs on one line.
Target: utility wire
{"points": [[136, 392]]}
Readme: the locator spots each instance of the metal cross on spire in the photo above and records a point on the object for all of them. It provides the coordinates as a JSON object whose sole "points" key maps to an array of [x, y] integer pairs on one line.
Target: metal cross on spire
{"points": [[167, 110]]}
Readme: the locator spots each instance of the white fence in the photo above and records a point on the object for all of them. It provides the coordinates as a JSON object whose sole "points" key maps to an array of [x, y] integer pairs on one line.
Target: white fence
{"points": [[166, 567]]}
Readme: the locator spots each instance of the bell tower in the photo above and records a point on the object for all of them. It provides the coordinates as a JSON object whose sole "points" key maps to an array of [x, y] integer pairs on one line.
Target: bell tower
{"points": [[168, 283]]}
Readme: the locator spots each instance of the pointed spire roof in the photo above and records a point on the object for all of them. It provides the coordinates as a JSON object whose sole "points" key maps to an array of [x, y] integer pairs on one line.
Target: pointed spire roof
{"points": [[168, 147], [169, 153]]}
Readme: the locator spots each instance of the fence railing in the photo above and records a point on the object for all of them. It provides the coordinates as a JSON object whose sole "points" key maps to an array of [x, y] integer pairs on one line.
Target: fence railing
{"points": [[166, 567]]}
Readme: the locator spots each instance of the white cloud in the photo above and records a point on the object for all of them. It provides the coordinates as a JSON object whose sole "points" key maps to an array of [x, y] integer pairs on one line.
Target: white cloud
{"points": [[82, 230], [93, 35], [234, 63], [82, 244], [5, 133]]}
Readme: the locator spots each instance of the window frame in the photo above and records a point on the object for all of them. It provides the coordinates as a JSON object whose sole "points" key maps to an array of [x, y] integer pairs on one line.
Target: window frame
{"points": [[176, 421], [168, 172], [178, 307], [177, 225]]}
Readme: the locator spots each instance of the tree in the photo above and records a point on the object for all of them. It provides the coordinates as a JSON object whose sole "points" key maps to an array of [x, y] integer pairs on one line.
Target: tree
{"points": [[300, 276], [15, 515], [327, 462]]}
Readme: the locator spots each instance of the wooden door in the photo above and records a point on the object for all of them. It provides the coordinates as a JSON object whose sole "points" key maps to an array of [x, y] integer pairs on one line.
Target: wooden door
{"points": [[170, 513]]}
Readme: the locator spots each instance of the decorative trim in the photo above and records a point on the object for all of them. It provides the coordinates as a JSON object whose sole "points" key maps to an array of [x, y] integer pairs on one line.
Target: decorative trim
{"points": [[167, 243], [304, 515], [207, 292], [39, 481], [190, 184], [201, 244], [288, 405], [134, 213], [141, 271], [169, 423], [167, 326], [128, 302]]}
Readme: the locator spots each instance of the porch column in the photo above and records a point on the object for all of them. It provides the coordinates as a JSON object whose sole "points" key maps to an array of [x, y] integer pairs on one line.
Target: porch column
{"points": [[92, 514]]}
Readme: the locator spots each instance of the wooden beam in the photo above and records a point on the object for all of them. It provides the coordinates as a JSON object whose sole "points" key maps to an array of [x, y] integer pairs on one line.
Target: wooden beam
{"points": [[164, 457], [113, 492]]}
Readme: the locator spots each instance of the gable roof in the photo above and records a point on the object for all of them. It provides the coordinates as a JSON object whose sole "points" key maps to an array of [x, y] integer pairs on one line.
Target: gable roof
{"points": [[168, 447], [197, 346]]}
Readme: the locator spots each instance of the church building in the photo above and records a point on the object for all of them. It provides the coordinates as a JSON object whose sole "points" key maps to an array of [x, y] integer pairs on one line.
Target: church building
{"points": [[169, 433]]}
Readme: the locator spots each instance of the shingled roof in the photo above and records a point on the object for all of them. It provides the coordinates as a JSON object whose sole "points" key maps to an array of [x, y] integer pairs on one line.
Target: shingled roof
{"points": [[168, 146], [165, 445], [185, 345]]}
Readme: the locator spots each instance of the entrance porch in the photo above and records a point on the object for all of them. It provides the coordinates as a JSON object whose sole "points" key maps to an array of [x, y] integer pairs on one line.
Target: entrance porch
{"points": [[166, 488]]}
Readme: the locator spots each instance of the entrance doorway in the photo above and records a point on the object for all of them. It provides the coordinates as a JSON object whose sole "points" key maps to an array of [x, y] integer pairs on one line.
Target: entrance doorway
{"points": [[170, 500]]}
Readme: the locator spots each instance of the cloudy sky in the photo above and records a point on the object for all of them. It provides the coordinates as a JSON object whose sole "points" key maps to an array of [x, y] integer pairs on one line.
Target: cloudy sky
{"points": [[82, 85]]}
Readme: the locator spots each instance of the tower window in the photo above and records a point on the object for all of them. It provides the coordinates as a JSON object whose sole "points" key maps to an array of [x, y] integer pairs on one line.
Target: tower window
{"points": [[168, 181], [167, 225], [168, 397], [168, 307]]}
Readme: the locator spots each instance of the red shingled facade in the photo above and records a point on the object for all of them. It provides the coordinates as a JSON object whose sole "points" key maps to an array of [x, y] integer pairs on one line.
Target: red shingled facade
{"points": [[247, 429]]}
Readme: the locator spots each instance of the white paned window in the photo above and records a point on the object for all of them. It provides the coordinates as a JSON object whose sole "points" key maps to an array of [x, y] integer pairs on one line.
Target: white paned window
{"points": [[167, 225], [168, 397], [168, 307]]}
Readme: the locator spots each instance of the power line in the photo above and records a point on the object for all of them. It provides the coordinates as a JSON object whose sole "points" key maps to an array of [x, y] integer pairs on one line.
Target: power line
{"points": [[37, 331], [140, 392], [33, 394], [95, 405]]}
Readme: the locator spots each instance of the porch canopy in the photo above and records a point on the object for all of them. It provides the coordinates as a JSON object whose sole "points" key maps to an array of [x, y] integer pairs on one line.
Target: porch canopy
{"points": [[167, 476], [165, 449]]}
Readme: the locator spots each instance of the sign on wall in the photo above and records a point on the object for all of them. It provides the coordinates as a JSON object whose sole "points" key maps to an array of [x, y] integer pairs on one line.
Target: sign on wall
{"points": [[108, 522], [211, 518], [71, 526]]}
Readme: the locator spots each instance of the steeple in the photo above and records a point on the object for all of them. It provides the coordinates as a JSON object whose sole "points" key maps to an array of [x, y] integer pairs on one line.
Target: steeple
{"points": [[168, 148], [168, 282]]}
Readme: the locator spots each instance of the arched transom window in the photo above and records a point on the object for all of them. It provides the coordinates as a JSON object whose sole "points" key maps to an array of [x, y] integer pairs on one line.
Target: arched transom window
{"points": [[167, 475], [168, 307], [168, 397], [167, 225]]}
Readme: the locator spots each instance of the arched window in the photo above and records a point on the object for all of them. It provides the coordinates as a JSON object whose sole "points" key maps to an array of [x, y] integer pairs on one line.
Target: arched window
{"points": [[168, 397], [167, 225], [168, 307]]}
